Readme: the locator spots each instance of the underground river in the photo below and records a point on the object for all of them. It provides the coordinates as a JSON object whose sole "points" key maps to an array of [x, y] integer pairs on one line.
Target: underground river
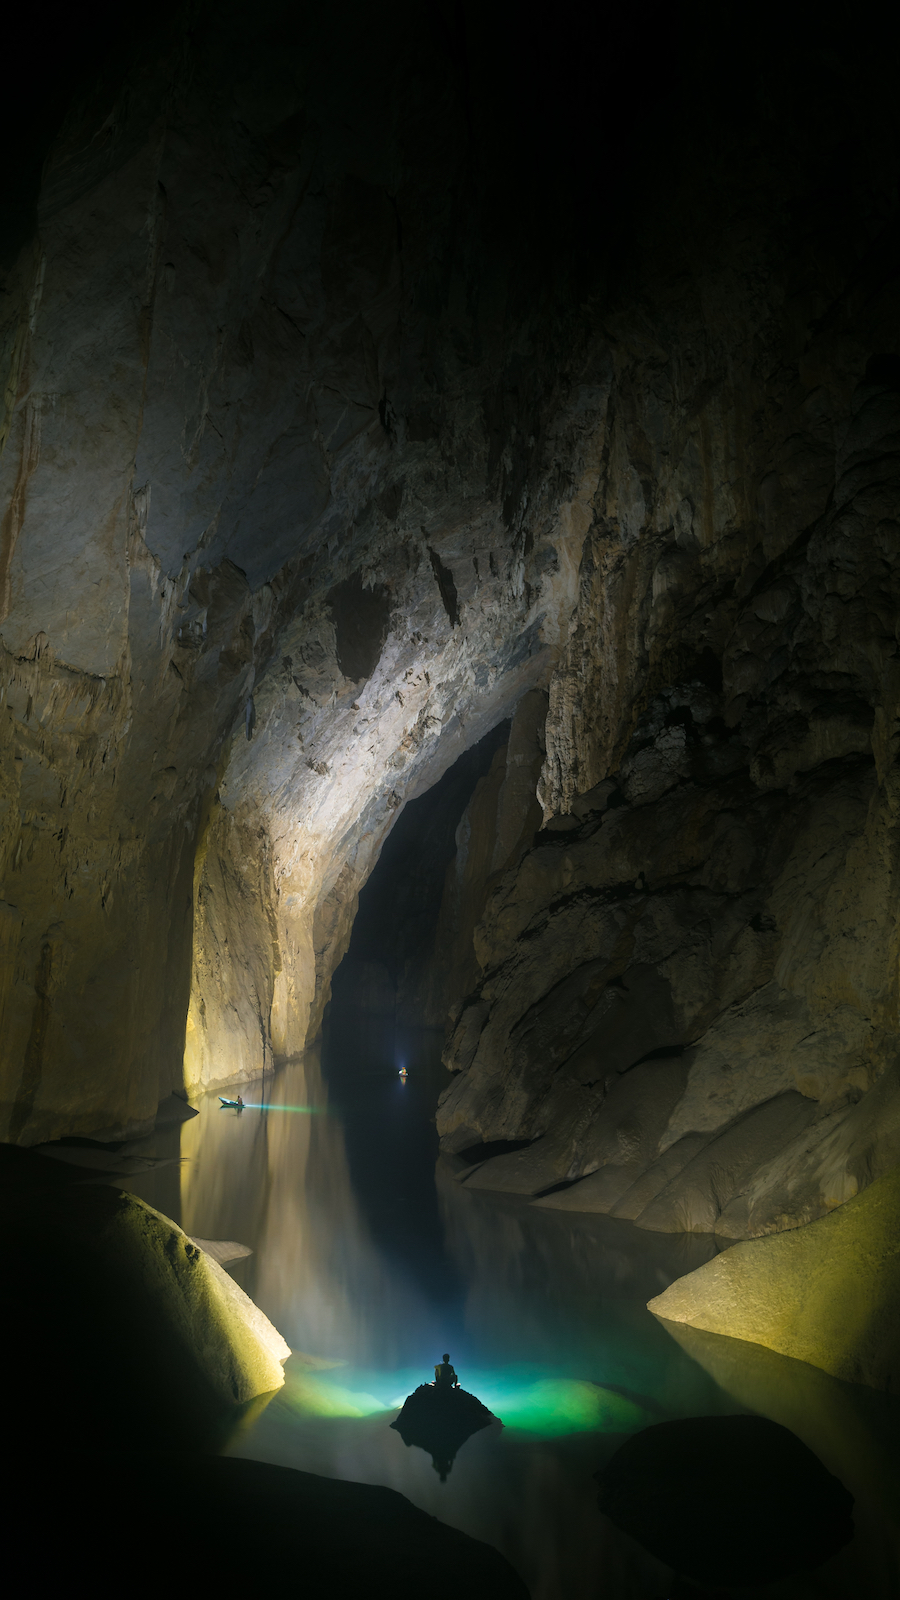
{"points": [[372, 1259]]}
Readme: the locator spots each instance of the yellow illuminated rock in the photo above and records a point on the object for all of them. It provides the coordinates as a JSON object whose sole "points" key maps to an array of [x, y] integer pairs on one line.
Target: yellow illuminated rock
{"points": [[828, 1294], [231, 1340]]}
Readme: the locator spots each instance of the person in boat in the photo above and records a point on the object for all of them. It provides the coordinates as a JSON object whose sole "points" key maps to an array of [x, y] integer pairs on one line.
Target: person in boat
{"points": [[239, 1103], [444, 1375]]}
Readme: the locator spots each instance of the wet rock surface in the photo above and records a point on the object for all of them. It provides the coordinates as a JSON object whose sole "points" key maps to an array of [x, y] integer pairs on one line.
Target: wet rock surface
{"points": [[250, 1522], [125, 1327], [727, 1500], [440, 1420], [826, 1294]]}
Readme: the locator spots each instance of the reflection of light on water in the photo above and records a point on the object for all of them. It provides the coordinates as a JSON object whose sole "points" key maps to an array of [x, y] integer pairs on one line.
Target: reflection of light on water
{"points": [[544, 1301], [526, 1401], [252, 1105], [556, 1406], [318, 1397], [280, 1183]]}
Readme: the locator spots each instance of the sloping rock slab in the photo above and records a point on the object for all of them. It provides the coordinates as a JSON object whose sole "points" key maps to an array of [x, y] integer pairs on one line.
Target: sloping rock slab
{"points": [[695, 1197], [250, 1527], [599, 1191], [116, 1323], [828, 1293], [521, 1172], [726, 1500]]}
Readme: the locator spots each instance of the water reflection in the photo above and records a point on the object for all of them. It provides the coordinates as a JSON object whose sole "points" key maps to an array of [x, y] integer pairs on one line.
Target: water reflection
{"points": [[278, 1180], [372, 1260]]}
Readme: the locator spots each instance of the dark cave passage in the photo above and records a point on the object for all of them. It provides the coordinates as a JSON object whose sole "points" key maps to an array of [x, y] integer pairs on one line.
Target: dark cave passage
{"points": [[388, 968]]}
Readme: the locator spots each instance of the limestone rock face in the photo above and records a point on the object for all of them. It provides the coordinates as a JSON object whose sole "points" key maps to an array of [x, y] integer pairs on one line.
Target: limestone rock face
{"points": [[276, 407], [350, 409], [198, 1304], [721, 1056], [826, 1294], [712, 891]]}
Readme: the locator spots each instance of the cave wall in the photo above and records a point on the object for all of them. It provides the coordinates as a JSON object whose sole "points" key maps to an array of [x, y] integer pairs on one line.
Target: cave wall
{"points": [[364, 378], [277, 398], [689, 988]]}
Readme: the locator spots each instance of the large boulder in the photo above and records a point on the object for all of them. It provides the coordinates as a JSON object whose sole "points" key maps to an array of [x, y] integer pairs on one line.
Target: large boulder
{"points": [[115, 1314], [828, 1293], [440, 1420], [769, 1507], [248, 1526]]}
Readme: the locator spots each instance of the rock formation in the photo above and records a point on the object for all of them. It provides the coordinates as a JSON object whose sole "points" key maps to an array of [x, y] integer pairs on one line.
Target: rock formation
{"points": [[344, 1538], [771, 1507], [440, 1422], [688, 996], [827, 1294], [119, 1322], [296, 477], [353, 406]]}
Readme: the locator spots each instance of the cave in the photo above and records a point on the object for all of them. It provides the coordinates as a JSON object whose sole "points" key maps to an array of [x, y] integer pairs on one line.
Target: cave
{"points": [[450, 787]]}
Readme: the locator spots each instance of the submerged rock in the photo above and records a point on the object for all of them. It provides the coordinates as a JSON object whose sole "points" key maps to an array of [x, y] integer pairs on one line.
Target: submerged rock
{"points": [[726, 1500], [440, 1421]]}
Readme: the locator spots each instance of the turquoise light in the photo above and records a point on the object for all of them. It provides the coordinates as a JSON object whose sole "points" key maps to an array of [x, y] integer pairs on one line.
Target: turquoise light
{"points": [[531, 1401], [309, 1111]]}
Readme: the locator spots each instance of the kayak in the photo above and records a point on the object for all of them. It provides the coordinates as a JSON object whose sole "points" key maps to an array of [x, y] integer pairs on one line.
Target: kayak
{"points": [[233, 1103]]}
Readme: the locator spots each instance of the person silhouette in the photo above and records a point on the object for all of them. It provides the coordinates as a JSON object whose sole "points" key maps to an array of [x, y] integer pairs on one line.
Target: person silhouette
{"points": [[444, 1375]]}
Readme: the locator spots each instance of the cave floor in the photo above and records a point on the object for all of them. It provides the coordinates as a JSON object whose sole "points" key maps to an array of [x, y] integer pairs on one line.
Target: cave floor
{"points": [[372, 1260]]}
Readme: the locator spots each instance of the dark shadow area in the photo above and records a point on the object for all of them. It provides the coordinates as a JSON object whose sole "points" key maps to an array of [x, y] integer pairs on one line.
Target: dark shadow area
{"points": [[732, 1501], [391, 1139], [492, 1147], [439, 1421], [95, 1352], [244, 1525], [400, 903], [444, 580], [361, 618]]}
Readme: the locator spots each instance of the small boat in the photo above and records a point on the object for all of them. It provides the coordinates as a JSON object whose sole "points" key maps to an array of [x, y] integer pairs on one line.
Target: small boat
{"points": [[403, 1074], [235, 1105]]}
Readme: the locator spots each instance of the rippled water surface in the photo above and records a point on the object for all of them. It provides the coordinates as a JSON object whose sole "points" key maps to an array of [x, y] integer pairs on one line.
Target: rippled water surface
{"points": [[372, 1259]]}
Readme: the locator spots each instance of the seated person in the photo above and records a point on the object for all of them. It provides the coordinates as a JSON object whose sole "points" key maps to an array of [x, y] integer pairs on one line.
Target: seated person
{"points": [[444, 1375]]}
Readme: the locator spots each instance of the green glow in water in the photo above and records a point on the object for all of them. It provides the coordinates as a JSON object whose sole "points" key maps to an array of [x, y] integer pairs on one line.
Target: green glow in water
{"points": [[318, 1397], [526, 1402], [555, 1406]]}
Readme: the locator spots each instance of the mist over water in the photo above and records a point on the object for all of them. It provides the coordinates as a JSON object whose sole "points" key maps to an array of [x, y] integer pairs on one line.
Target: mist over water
{"points": [[372, 1259]]}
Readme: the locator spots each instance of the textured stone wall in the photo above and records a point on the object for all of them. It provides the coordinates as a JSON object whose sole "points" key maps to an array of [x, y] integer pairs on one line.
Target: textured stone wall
{"points": [[366, 376], [295, 476], [689, 987]]}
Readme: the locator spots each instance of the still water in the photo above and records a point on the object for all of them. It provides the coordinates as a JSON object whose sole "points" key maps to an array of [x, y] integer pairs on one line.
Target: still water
{"points": [[372, 1260]]}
